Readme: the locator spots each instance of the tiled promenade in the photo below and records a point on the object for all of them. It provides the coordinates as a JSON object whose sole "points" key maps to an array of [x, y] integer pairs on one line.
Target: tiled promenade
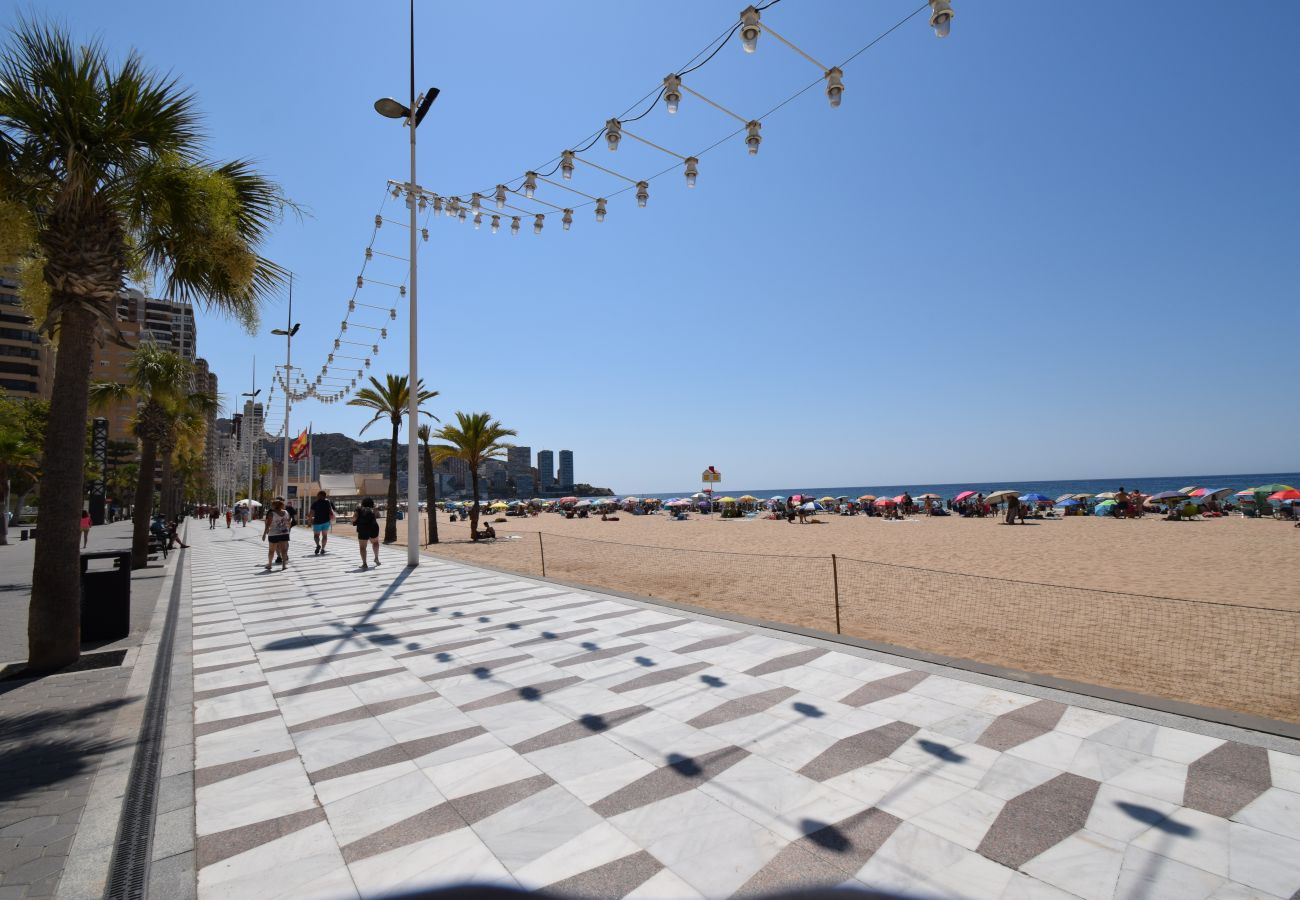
{"points": [[364, 732]]}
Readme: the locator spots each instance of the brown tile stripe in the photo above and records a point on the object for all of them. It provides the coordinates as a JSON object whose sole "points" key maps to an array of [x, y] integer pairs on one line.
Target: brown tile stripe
{"points": [[223, 691], [478, 806], [741, 707], [1227, 778], [883, 688], [668, 781], [443, 648], [206, 650], [360, 712], [572, 605], [202, 728], [857, 751], [650, 679], [513, 589], [559, 636], [1039, 819], [476, 613], [471, 668], [516, 694], [213, 848], [200, 637], [576, 731], [420, 827], [613, 879], [649, 629], [446, 606], [825, 857], [206, 670], [212, 774], [597, 655], [341, 681], [617, 614], [789, 661], [710, 643], [320, 660], [420, 632], [396, 753], [1020, 725], [519, 623]]}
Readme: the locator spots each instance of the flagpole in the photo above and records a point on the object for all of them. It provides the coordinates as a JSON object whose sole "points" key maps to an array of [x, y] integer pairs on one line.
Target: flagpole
{"points": [[288, 380]]}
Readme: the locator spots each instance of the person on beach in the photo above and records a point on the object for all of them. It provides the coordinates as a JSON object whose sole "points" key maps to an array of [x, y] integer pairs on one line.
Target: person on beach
{"points": [[1013, 509], [367, 525], [322, 517], [276, 534], [85, 528]]}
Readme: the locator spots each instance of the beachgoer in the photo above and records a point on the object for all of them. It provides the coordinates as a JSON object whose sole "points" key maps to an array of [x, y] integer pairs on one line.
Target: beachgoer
{"points": [[322, 517], [85, 528], [173, 535], [276, 533], [1013, 508], [367, 525]]}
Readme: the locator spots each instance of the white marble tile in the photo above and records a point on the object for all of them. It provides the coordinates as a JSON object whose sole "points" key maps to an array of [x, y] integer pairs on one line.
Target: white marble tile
{"points": [[818, 682], [448, 859], [1155, 877], [591, 768], [334, 744], [1285, 768], [382, 804], [854, 666], [1023, 887], [1264, 860], [1182, 746], [915, 709], [304, 863], [535, 826], [1191, 837], [846, 722], [389, 687], [787, 744], [664, 885], [964, 819], [1157, 778], [777, 798], [965, 726], [469, 775], [1129, 734], [333, 789], [918, 793], [1275, 810], [654, 736], [475, 746], [244, 703], [1102, 762], [874, 782], [301, 708], [1230, 890], [1011, 776], [256, 796], [908, 860], [1055, 749], [233, 744], [1085, 864], [594, 846], [1108, 817], [933, 754]]}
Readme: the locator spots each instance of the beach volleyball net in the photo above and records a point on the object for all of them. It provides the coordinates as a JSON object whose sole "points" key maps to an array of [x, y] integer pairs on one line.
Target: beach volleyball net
{"points": [[1219, 655]]}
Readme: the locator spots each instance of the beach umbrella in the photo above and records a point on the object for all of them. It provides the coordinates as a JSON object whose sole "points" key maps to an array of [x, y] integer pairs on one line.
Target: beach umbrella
{"points": [[866, 498], [813, 506], [964, 495], [1165, 496], [1211, 493], [886, 501], [748, 498], [1064, 497], [582, 503], [1289, 494], [999, 496], [1271, 488], [1104, 508], [826, 500], [247, 502], [929, 497], [727, 500], [1189, 489], [1068, 502], [1108, 495], [568, 499], [1034, 497], [1083, 496]]}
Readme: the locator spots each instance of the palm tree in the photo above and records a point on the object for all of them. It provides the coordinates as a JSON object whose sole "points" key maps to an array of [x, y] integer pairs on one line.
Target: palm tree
{"points": [[425, 433], [160, 380], [189, 420], [475, 437], [102, 162], [18, 460], [390, 401]]}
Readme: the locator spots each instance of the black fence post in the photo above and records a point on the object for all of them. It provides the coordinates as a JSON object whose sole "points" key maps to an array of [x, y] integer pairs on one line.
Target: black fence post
{"points": [[835, 579], [541, 549]]}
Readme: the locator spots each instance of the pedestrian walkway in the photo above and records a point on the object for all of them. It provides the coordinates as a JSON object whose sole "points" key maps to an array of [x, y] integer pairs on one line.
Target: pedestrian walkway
{"points": [[357, 733]]}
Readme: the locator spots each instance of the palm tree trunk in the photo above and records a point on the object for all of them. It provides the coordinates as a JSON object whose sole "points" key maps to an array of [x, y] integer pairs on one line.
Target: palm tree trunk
{"points": [[390, 518], [168, 496], [54, 612], [4, 510], [473, 507], [143, 512], [432, 495]]}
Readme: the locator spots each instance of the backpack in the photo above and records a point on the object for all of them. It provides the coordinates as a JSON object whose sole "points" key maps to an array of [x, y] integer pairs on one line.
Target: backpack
{"points": [[365, 519]]}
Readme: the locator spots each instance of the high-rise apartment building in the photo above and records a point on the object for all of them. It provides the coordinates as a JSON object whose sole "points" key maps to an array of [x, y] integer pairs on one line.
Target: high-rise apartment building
{"points": [[205, 380], [26, 361], [566, 470], [545, 470], [519, 462], [166, 323]]}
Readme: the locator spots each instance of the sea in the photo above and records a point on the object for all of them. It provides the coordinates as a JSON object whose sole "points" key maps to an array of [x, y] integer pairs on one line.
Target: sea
{"points": [[1053, 489]]}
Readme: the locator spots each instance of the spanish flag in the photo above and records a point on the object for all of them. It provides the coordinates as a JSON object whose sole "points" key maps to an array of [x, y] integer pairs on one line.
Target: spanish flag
{"points": [[299, 448]]}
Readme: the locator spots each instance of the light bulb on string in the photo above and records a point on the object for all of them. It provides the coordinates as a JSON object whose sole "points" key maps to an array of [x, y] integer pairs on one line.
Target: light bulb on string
{"points": [[478, 220], [361, 282], [537, 223], [692, 170], [600, 209], [940, 17], [370, 254], [514, 224], [401, 290], [753, 138], [613, 133], [834, 85], [379, 221], [424, 233], [642, 193], [530, 184], [566, 165], [352, 306], [476, 201], [672, 93], [749, 29], [392, 314], [397, 192], [437, 205], [567, 220], [496, 224], [500, 196]]}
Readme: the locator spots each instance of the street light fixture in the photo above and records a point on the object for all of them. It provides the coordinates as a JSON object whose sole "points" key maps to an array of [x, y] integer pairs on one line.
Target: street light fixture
{"points": [[391, 109], [287, 334]]}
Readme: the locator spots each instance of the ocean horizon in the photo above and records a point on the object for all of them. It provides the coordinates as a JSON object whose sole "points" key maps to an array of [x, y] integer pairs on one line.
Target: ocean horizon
{"points": [[1053, 488]]}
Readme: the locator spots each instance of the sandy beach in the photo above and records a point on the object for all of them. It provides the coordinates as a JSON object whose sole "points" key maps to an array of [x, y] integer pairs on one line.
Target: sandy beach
{"points": [[1023, 596]]}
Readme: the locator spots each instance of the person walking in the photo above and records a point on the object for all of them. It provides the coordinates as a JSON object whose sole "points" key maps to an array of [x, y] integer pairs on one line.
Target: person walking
{"points": [[85, 528], [276, 534], [367, 525], [227, 518], [322, 518], [212, 518]]}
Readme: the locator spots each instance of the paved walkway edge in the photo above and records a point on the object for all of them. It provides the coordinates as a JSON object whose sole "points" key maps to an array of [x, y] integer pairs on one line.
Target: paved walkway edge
{"points": [[1240, 727], [86, 874]]}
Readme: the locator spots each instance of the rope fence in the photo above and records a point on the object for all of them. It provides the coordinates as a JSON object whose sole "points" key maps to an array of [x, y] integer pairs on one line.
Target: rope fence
{"points": [[1241, 658]]}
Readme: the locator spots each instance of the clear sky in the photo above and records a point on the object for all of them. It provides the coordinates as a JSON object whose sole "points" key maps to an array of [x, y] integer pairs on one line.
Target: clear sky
{"points": [[1061, 242]]}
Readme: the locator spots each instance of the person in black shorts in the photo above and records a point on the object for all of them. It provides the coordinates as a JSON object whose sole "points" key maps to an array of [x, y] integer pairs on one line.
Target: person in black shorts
{"points": [[322, 517], [276, 534], [367, 525]]}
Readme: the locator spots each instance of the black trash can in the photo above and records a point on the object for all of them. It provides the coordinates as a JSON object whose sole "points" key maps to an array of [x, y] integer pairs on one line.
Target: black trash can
{"points": [[105, 597]]}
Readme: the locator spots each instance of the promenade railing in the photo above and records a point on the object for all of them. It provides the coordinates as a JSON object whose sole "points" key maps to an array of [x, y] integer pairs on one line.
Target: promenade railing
{"points": [[1214, 654]]}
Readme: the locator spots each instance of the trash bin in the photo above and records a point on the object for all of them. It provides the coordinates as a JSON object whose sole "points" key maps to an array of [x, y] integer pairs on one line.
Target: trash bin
{"points": [[106, 596]]}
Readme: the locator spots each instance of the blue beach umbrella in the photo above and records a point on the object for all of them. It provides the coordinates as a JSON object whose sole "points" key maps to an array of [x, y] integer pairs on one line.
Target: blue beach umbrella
{"points": [[1070, 502], [1104, 508], [1034, 498], [813, 506]]}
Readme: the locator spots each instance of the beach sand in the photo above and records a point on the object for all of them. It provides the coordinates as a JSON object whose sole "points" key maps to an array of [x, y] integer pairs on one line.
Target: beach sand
{"points": [[1035, 605]]}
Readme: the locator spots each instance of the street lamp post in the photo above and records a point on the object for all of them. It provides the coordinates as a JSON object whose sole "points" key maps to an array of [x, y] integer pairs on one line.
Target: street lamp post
{"points": [[413, 114], [288, 331]]}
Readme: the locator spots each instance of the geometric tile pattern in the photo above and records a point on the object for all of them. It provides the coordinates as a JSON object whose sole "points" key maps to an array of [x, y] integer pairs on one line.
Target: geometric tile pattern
{"points": [[365, 733]]}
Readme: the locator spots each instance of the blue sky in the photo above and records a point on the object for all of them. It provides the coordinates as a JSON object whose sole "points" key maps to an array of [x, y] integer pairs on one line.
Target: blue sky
{"points": [[1058, 243]]}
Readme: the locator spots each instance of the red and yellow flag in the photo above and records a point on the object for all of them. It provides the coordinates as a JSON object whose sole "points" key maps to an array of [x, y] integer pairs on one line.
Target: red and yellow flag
{"points": [[300, 446]]}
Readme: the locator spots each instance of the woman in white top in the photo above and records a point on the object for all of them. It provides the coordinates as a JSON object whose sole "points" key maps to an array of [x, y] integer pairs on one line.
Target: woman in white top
{"points": [[276, 533]]}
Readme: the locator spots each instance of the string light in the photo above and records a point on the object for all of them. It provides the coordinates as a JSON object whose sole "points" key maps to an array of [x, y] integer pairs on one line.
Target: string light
{"points": [[496, 224], [834, 85], [613, 133], [672, 93], [537, 223], [567, 220], [478, 220], [600, 209], [642, 193], [566, 165], [514, 224], [530, 184], [940, 17], [501, 196], [753, 138], [692, 170], [749, 29]]}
